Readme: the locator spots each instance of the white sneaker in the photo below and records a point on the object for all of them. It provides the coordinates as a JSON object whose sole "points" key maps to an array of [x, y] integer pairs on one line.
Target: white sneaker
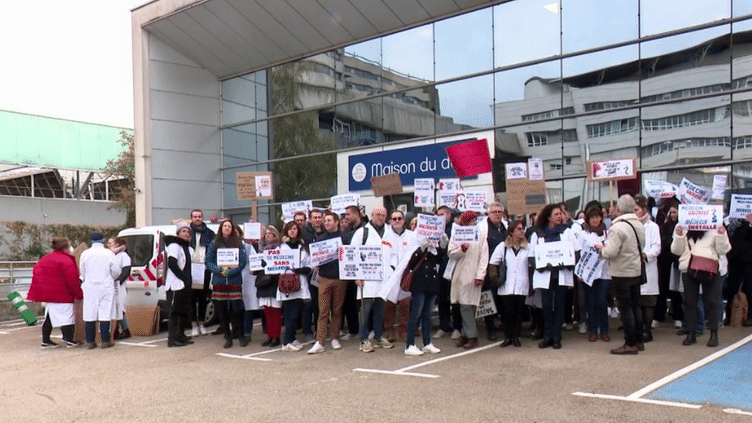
{"points": [[430, 348], [413, 350], [291, 347], [297, 344], [366, 347], [194, 331], [202, 330], [654, 324], [345, 337], [583, 328], [316, 348], [336, 345], [456, 334], [614, 313], [439, 334], [383, 343], [677, 324]]}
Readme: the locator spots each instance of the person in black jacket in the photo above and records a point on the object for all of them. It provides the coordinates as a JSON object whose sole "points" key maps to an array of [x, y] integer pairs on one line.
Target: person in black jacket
{"points": [[201, 237], [178, 284]]}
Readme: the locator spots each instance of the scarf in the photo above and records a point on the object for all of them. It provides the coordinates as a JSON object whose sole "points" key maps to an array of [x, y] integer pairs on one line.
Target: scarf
{"points": [[553, 234]]}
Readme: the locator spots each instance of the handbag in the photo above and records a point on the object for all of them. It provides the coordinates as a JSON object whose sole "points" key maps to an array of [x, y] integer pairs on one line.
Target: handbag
{"points": [[643, 274], [701, 264], [407, 276], [497, 274], [264, 281], [289, 282], [739, 309]]}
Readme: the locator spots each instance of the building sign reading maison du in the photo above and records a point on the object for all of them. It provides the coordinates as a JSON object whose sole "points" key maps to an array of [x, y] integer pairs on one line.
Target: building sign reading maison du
{"points": [[425, 161]]}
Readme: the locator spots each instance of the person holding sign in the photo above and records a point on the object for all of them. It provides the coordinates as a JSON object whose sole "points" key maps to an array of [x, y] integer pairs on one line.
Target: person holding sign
{"points": [[699, 252], [227, 279], [471, 263], [293, 302], [650, 251], [201, 237], [553, 275], [266, 290], [403, 242], [596, 287], [623, 250], [178, 284], [513, 252]]}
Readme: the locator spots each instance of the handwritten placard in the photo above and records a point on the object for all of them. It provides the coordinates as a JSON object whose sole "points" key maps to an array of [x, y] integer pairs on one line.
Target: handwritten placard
{"points": [[462, 234], [255, 262], [277, 261], [700, 217], [590, 265], [228, 257], [246, 185], [556, 254], [388, 184], [487, 305], [690, 193], [430, 227], [340, 202], [326, 251], [719, 187], [289, 209]]}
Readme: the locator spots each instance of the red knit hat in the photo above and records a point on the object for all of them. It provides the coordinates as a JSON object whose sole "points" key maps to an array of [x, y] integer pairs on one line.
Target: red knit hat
{"points": [[467, 217]]}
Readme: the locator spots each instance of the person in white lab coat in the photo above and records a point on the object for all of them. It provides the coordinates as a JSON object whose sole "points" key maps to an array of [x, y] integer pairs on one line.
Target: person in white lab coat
{"points": [[98, 270]]}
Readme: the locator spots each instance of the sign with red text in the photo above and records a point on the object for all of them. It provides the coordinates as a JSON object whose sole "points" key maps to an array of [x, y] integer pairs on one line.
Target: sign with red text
{"points": [[361, 262], [741, 206], [689, 193], [277, 261], [659, 189], [323, 252], [697, 217], [611, 170], [430, 227]]}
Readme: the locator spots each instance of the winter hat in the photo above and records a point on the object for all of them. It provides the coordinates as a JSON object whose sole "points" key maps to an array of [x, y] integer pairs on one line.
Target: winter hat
{"points": [[97, 237], [180, 225], [467, 217]]}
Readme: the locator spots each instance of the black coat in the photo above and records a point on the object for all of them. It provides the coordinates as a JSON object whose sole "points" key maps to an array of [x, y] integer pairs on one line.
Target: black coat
{"points": [[426, 278]]}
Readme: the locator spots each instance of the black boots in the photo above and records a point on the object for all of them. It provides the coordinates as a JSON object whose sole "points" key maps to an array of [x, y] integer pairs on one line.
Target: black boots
{"points": [[690, 339], [713, 341]]}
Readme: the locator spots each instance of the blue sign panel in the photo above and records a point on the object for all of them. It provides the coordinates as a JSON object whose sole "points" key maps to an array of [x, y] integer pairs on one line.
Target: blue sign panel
{"points": [[425, 161]]}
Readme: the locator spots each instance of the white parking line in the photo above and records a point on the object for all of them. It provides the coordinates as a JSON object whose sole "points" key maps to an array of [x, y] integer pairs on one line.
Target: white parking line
{"points": [[641, 400], [404, 371], [254, 356], [736, 411], [134, 344]]}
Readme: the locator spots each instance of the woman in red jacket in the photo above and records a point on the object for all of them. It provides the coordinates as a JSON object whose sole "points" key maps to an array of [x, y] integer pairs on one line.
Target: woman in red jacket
{"points": [[55, 281]]}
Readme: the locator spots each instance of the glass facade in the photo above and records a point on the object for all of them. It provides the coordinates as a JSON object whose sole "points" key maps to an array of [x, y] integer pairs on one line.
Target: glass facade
{"points": [[668, 82]]}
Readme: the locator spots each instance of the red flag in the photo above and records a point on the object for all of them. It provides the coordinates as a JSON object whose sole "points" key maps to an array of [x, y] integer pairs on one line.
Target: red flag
{"points": [[470, 158]]}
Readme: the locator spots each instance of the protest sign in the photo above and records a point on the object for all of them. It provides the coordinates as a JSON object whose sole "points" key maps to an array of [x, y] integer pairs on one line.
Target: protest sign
{"points": [[323, 252], [254, 262], [689, 193], [289, 209], [559, 253], [470, 158], [719, 187], [660, 189], [487, 306], [463, 234], [590, 266], [228, 257], [527, 195], [535, 169], [700, 217], [516, 170], [430, 227], [388, 184], [252, 230], [476, 201], [448, 198], [246, 185], [424, 192], [277, 261], [361, 262], [449, 184], [340, 202], [264, 185], [611, 170], [741, 206]]}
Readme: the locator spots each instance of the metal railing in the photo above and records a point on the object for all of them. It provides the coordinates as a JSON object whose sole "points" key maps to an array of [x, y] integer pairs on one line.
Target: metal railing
{"points": [[15, 276]]}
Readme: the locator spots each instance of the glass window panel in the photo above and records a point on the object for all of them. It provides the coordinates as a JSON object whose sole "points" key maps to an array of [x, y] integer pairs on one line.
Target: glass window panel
{"points": [[554, 191], [357, 124], [525, 30], [243, 99], [301, 133], [741, 7], [741, 143], [240, 145], [410, 114], [464, 104], [305, 178], [686, 44], [408, 58], [305, 83], [657, 16], [613, 20], [741, 180], [576, 195], [361, 71], [464, 44]]}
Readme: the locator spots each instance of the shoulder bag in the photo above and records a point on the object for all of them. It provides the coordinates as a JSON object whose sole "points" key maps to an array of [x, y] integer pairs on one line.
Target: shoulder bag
{"points": [[643, 274], [701, 265], [497, 274], [289, 282], [407, 277]]}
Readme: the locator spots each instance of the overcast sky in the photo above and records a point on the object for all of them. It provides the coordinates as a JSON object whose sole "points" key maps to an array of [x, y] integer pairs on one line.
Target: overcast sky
{"points": [[68, 59]]}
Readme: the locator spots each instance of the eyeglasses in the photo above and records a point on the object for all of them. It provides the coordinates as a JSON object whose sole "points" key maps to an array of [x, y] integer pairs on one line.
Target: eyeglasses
{"points": [[497, 211], [397, 218]]}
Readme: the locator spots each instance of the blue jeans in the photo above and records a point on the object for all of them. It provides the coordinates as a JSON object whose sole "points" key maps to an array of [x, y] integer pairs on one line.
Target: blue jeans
{"points": [[292, 309], [596, 303], [311, 310], [553, 300], [377, 306], [420, 310], [247, 323]]}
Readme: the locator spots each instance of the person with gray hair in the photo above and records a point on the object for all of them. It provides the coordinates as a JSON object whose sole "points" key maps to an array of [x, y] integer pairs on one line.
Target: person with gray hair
{"points": [[623, 250]]}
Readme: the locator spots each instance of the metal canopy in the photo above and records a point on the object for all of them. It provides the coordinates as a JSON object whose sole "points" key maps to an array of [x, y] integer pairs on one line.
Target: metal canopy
{"points": [[232, 37]]}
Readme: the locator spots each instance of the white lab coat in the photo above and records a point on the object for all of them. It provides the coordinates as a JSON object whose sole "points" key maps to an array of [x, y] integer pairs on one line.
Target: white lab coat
{"points": [[518, 278], [566, 276], [122, 260], [98, 270], [372, 289], [304, 293], [651, 249]]}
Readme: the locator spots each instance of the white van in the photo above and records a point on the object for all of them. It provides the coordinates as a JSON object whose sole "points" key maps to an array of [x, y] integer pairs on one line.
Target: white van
{"points": [[146, 247]]}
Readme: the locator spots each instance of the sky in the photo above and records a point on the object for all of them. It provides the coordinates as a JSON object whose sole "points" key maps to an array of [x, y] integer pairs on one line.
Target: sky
{"points": [[68, 59]]}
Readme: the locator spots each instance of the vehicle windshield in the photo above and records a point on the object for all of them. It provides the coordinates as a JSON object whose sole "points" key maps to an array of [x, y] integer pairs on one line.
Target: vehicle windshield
{"points": [[140, 248]]}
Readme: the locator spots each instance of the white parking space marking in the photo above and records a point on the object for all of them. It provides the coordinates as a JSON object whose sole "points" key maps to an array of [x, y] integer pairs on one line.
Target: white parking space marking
{"points": [[134, 344], [404, 371], [736, 411], [254, 356], [641, 400]]}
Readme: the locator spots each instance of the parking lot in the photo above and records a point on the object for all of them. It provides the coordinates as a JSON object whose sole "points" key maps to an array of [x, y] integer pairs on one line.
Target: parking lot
{"points": [[143, 380]]}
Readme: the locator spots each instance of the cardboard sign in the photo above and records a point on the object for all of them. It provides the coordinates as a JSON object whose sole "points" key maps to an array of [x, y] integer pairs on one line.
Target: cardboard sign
{"points": [[430, 227], [487, 305], [689, 193], [361, 262], [462, 234], [254, 262], [289, 209], [527, 195], [590, 265], [611, 170], [660, 189], [470, 158], [252, 230], [340, 202], [696, 217], [741, 206], [254, 185], [388, 184], [228, 257], [277, 261], [323, 252], [559, 253], [719, 187]]}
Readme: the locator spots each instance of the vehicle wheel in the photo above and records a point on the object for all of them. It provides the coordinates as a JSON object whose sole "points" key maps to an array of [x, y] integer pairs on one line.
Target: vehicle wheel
{"points": [[211, 317]]}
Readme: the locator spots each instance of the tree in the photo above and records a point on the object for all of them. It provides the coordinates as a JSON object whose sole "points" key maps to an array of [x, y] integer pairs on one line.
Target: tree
{"points": [[124, 166]]}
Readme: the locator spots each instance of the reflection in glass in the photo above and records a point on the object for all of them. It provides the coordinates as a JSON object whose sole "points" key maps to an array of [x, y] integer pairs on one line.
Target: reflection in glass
{"points": [[244, 144], [594, 23], [408, 57], [657, 16], [464, 44], [465, 104], [518, 39], [361, 71], [410, 114], [576, 195], [709, 40], [305, 178], [741, 179], [356, 124], [554, 191], [305, 83], [741, 7]]}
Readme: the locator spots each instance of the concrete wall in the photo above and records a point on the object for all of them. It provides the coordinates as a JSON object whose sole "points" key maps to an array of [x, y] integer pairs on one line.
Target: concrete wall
{"points": [[53, 210]]}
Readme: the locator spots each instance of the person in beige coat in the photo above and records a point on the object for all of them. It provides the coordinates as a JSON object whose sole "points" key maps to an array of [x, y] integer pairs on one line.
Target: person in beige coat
{"points": [[709, 245], [471, 262]]}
